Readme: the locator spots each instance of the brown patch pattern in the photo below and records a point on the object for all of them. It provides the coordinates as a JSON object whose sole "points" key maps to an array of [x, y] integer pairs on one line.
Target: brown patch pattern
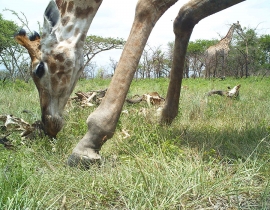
{"points": [[52, 65], [58, 3], [62, 68], [63, 78], [77, 31], [60, 57], [63, 8], [60, 75], [66, 79], [65, 20], [70, 6], [83, 13], [68, 62], [83, 36], [69, 28]]}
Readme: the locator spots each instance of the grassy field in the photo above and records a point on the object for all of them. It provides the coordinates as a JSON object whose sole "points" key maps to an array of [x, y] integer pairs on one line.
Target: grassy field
{"points": [[215, 155]]}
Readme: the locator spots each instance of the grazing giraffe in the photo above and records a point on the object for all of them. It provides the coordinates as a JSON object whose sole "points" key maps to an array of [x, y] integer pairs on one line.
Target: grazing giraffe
{"points": [[57, 63], [221, 49], [57, 56]]}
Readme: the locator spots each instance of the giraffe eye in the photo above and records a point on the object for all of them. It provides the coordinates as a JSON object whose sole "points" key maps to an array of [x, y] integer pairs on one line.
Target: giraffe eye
{"points": [[40, 70]]}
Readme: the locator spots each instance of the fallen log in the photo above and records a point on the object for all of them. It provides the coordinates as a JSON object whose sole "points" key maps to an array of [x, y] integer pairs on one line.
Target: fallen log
{"points": [[134, 100], [232, 93], [152, 98]]}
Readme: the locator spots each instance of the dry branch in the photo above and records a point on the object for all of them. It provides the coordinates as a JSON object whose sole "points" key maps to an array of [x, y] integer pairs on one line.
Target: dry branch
{"points": [[151, 98], [93, 98], [12, 123], [89, 98], [7, 144]]}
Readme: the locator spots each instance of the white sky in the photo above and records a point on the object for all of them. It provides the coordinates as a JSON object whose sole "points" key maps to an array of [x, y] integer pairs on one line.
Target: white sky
{"points": [[114, 20]]}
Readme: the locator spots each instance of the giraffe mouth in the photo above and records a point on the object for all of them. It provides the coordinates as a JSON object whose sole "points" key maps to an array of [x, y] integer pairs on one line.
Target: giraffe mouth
{"points": [[52, 124]]}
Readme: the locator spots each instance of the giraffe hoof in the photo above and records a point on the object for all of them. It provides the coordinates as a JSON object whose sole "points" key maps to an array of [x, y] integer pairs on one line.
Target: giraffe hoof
{"points": [[82, 162]]}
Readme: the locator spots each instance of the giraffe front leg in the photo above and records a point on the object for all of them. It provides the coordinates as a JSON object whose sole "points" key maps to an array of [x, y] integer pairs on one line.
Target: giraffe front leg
{"points": [[183, 26], [101, 127], [170, 109], [102, 122]]}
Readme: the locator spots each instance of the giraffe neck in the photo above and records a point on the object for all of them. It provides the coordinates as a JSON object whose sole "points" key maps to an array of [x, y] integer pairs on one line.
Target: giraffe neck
{"points": [[228, 38], [76, 18]]}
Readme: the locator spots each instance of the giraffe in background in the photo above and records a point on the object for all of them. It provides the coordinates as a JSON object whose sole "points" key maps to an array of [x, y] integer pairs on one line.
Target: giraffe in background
{"points": [[57, 62], [220, 50]]}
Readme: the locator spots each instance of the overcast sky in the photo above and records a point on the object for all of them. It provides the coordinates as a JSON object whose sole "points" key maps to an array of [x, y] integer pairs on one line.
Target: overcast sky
{"points": [[114, 19]]}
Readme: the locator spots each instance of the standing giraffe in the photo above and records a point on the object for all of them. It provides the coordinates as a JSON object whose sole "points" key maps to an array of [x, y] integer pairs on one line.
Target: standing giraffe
{"points": [[221, 49], [57, 63]]}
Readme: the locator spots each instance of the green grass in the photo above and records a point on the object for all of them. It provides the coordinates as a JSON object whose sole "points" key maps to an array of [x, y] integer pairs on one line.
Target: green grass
{"points": [[215, 155]]}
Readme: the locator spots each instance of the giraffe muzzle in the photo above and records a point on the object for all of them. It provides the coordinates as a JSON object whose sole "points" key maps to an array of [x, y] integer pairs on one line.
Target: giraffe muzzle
{"points": [[52, 124]]}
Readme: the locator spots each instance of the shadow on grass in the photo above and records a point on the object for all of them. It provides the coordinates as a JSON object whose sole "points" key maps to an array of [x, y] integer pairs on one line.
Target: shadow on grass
{"points": [[222, 143]]}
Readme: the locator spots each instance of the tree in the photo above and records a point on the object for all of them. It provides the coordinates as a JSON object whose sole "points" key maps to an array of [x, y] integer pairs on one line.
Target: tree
{"points": [[113, 64], [11, 54], [195, 57], [153, 63], [264, 43], [89, 70], [169, 56], [249, 54], [7, 29], [97, 44]]}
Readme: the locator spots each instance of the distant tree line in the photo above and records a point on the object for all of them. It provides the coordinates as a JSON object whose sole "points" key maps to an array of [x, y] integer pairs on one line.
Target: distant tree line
{"points": [[249, 55]]}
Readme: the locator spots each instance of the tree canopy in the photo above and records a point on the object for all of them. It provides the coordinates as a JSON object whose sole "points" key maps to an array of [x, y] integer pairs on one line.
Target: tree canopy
{"points": [[200, 45], [96, 44], [7, 30]]}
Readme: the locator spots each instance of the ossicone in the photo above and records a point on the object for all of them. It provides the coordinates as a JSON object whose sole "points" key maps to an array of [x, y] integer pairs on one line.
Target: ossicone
{"points": [[34, 36], [22, 32]]}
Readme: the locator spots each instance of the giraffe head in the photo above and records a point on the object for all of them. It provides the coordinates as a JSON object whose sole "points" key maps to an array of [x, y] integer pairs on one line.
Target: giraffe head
{"points": [[57, 56], [237, 26]]}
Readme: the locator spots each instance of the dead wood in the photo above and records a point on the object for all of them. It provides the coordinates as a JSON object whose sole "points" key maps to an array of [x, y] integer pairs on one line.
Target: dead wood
{"points": [[12, 123], [218, 92], [231, 93], [7, 144], [90, 98], [152, 98], [134, 100]]}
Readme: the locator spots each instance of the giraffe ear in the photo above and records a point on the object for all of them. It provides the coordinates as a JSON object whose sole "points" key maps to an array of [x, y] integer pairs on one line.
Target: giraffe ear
{"points": [[51, 17]]}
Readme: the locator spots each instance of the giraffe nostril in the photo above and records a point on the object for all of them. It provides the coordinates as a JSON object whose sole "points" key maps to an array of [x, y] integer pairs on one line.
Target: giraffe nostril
{"points": [[39, 72]]}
